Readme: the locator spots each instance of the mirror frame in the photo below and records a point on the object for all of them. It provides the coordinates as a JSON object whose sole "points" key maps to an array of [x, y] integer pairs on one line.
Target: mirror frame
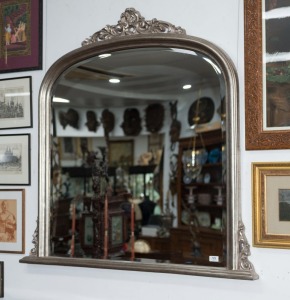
{"points": [[132, 33]]}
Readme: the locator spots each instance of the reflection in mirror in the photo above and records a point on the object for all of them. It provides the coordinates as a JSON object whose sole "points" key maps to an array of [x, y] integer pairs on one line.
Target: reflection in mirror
{"points": [[144, 208], [139, 155]]}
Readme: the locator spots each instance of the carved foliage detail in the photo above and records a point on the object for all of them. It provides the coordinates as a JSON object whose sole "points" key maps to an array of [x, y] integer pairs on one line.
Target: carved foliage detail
{"points": [[244, 248], [131, 22]]}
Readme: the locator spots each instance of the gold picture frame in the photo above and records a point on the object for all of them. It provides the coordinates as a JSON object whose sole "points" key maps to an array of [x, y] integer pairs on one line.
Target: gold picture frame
{"points": [[271, 201], [258, 105]]}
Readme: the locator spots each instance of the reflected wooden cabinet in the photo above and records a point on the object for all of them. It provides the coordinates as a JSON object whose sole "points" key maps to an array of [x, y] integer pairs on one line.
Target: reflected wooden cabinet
{"points": [[80, 227], [201, 199]]}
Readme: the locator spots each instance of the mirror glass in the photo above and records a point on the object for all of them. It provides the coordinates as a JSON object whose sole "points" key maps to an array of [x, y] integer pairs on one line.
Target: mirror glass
{"points": [[138, 155], [143, 113]]}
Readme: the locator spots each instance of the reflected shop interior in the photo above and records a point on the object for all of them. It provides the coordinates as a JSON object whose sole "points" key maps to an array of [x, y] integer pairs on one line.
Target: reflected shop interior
{"points": [[138, 163]]}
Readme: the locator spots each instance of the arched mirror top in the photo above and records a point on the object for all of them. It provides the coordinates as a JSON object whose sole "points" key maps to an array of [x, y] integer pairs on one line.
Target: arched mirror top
{"points": [[154, 60]]}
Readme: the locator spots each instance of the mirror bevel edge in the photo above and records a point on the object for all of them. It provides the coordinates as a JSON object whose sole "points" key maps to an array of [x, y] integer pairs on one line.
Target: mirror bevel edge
{"points": [[238, 266]]}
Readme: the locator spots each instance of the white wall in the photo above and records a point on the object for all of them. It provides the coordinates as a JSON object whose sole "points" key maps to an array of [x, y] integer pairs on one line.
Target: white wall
{"points": [[66, 24]]}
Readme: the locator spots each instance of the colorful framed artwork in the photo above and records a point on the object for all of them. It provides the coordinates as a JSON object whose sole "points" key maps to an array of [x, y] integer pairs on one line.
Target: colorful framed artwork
{"points": [[271, 205], [15, 159], [12, 220], [21, 35], [121, 153], [267, 73], [15, 103]]}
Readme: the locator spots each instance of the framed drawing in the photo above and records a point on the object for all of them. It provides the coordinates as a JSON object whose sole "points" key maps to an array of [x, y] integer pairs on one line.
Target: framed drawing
{"points": [[121, 153], [21, 35], [267, 65], [15, 103], [15, 159], [12, 221], [271, 205]]}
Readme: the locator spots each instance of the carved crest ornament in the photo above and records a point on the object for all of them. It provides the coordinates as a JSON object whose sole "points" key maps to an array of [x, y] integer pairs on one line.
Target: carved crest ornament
{"points": [[132, 23]]}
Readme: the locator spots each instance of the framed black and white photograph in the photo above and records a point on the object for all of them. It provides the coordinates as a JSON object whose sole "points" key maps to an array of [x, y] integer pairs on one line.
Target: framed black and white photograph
{"points": [[15, 159], [16, 103]]}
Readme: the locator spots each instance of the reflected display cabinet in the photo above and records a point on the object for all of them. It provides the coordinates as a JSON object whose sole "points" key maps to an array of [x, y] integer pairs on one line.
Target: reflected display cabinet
{"points": [[201, 198]]}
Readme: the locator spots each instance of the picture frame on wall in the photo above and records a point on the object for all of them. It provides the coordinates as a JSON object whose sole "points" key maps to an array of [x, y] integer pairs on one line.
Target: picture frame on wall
{"points": [[271, 204], [16, 103], [12, 220], [121, 153], [15, 159], [21, 35], [267, 65]]}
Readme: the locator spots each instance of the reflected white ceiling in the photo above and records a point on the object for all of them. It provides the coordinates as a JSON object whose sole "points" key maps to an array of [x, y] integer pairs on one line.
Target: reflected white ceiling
{"points": [[146, 75]]}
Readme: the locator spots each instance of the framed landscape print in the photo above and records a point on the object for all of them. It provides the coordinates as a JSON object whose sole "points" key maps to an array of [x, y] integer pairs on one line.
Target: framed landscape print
{"points": [[267, 74], [271, 205], [12, 220], [21, 35], [15, 103], [15, 159]]}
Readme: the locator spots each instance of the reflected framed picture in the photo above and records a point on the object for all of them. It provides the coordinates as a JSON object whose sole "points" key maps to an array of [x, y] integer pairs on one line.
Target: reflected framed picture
{"points": [[21, 35], [15, 159], [12, 220], [16, 103], [271, 204], [267, 73], [121, 153]]}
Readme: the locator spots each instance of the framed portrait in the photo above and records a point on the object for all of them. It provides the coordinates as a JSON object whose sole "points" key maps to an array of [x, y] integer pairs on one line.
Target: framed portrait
{"points": [[121, 153], [21, 35], [267, 73], [271, 204], [12, 220], [15, 159], [15, 103]]}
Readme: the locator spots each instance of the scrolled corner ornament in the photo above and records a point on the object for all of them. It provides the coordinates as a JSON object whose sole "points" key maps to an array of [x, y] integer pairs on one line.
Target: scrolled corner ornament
{"points": [[34, 250], [131, 23], [244, 249]]}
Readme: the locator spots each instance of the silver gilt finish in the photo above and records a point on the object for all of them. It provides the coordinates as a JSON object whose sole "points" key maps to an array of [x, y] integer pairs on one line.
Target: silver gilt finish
{"points": [[133, 31]]}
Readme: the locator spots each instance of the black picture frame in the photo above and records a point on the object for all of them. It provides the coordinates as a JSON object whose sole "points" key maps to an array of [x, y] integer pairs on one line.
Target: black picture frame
{"points": [[16, 103], [15, 159], [1, 279]]}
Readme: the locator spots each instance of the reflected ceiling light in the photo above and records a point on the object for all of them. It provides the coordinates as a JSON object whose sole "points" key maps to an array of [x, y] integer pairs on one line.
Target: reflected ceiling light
{"points": [[187, 86], [60, 100], [185, 51], [104, 55], [216, 68], [114, 80]]}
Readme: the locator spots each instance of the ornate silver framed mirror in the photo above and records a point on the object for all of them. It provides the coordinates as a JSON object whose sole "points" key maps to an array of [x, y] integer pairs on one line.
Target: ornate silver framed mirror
{"points": [[139, 169]]}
